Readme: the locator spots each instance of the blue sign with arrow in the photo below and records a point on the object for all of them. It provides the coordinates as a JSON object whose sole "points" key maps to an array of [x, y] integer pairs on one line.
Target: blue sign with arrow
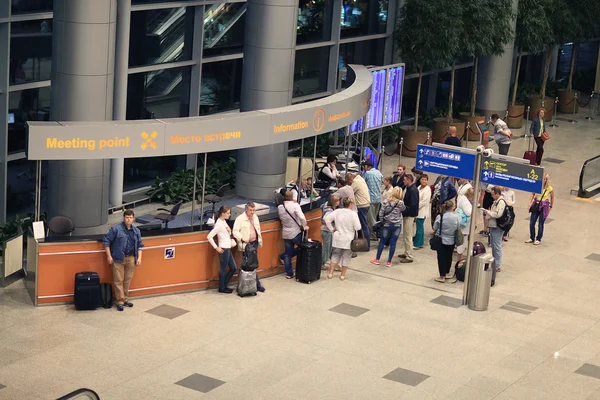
{"points": [[445, 162], [519, 176]]}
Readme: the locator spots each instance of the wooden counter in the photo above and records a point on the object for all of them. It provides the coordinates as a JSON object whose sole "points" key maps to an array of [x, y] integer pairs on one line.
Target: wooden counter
{"points": [[195, 266]]}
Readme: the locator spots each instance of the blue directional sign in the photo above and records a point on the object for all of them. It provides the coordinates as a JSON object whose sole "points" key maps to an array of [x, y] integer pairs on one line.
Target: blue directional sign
{"points": [[445, 162], [514, 175]]}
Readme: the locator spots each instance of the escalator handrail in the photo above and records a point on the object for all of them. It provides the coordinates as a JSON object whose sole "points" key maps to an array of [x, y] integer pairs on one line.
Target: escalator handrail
{"points": [[79, 392], [230, 23]]}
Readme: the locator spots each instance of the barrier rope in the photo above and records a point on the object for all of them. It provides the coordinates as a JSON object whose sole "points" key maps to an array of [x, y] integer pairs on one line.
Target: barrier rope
{"points": [[415, 150], [586, 104], [440, 139], [517, 116], [566, 104], [395, 150], [473, 132]]}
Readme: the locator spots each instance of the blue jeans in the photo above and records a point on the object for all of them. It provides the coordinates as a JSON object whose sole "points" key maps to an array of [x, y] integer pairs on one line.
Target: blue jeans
{"points": [[536, 216], [327, 238], [496, 241], [389, 235], [364, 224], [226, 260], [258, 285], [419, 239], [290, 251]]}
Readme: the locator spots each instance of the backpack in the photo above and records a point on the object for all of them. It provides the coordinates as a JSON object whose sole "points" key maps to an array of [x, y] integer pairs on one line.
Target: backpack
{"points": [[507, 219], [459, 271], [249, 258], [106, 295]]}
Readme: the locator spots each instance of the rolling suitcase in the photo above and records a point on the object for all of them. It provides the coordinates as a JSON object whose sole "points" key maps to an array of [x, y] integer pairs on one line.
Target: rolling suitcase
{"points": [[529, 154], [246, 283], [87, 291], [308, 265]]}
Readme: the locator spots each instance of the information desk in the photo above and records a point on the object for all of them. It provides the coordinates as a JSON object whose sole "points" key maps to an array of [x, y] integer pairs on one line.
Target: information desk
{"points": [[174, 260]]}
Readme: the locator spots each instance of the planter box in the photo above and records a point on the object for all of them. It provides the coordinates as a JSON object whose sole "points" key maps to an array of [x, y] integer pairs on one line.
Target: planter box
{"points": [[516, 110], [440, 127], [412, 138]]}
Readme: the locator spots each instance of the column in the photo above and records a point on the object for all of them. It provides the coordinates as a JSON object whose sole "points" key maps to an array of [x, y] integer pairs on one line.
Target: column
{"points": [[493, 83], [82, 90], [267, 82], [117, 165], [553, 64]]}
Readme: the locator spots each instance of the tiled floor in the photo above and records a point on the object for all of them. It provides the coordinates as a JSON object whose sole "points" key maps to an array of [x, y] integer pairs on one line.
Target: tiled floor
{"points": [[383, 333]]}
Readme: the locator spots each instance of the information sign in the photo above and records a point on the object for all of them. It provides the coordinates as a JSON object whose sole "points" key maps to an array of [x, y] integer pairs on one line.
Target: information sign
{"points": [[511, 174], [445, 162]]}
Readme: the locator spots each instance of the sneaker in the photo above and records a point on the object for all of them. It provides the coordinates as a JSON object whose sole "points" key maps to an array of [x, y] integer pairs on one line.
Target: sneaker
{"points": [[374, 261], [537, 242], [406, 260], [440, 280], [529, 241], [226, 290], [128, 304], [505, 238], [449, 276], [402, 256], [354, 255], [281, 262], [120, 307], [261, 289], [289, 277], [388, 264]]}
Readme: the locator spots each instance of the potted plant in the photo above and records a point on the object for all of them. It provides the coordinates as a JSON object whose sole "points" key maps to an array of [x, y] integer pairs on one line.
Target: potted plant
{"points": [[530, 35], [418, 41], [560, 21], [487, 30], [452, 34], [585, 16]]}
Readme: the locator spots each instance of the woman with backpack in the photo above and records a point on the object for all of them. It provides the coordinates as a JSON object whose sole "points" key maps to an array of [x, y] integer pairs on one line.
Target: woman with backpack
{"points": [[390, 215], [445, 227], [464, 209], [326, 234], [540, 207]]}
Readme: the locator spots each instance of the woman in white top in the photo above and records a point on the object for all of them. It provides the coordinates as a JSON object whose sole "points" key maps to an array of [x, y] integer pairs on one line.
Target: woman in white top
{"points": [[424, 207], [344, 224], [223, 233], [464, 209], [509, 196]]}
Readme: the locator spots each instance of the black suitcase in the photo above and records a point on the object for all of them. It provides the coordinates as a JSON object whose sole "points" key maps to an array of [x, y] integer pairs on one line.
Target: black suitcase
{"points": [[87, 291], [308, 266]]}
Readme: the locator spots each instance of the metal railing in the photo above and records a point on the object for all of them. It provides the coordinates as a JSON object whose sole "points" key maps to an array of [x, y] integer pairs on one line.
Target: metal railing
{"points": [[589, 177], [81, 394]]}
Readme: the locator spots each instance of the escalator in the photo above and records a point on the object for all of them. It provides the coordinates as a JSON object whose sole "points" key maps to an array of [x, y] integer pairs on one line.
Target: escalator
{"points": [[81, 394], [169, 26]]}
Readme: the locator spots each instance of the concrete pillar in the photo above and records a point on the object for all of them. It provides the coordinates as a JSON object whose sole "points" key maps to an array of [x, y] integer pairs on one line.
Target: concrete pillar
{"points": [[117, 165], [493, 82], [432, 90], [267, 82], [82, 90], [553, 64]]}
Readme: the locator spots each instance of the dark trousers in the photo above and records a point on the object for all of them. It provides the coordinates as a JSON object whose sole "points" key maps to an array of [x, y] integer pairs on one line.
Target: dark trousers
{"points": [[539, 153], [255, 243], [291, 251], [364, 224], [444, 258], [503, 148], [536, 217], [226, 260]]}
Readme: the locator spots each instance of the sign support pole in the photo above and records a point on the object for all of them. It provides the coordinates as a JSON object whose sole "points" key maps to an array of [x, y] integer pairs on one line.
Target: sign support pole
{"points": [[203, 189], [194, 191], [38, 190], [312, 181], [362, 150], [379, 148], [473, 222], [300, 170]]}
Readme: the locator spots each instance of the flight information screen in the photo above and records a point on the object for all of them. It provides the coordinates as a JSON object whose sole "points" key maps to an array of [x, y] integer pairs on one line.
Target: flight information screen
{"points": [[375, 115], [393, 98]]}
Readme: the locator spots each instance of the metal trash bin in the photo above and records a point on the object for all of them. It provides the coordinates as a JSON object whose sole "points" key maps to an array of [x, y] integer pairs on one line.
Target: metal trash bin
{"points": [[480, 282]]}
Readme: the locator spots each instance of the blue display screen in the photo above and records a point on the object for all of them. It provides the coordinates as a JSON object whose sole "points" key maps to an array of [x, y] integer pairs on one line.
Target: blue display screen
{"points": [[386, 100], [393, 98]]}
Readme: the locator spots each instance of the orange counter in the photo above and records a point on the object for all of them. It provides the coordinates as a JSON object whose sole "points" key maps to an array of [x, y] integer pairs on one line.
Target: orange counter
{"points": [[195, 265]]}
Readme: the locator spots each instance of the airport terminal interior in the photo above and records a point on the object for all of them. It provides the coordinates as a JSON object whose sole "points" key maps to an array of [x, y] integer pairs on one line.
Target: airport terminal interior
{"points": [[380, 333]]}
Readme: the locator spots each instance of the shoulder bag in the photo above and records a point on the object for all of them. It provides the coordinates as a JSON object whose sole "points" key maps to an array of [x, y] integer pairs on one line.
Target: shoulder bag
{"points": [[545, 136], [535, 204], [436, 241], [378, 226]]}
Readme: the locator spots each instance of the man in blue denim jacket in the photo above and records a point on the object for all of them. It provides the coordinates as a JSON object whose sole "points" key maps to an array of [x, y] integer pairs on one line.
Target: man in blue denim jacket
{"points": [[123, 246]]}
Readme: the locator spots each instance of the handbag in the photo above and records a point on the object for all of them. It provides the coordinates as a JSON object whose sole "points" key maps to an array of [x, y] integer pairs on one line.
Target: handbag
{"points": [[359, 245], [436, 241], [459, 237], [545, 136], [535, 205], [233, 242]]}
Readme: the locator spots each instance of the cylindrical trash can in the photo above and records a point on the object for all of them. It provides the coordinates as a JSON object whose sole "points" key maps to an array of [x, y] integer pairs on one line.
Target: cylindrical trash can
{"points": [[480, 282]]}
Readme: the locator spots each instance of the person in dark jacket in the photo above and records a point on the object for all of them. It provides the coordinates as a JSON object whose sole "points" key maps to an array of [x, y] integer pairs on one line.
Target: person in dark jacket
{"points": [[411, 202], [538, 126], [452, 140], [398, 178]]}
